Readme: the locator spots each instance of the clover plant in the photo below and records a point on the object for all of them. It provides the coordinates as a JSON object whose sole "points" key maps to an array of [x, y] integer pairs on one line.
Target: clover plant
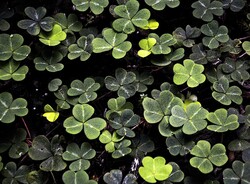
{"points": [[146, 46], [115, 176], [161, 4], [71, 177], [5, 14], [112, 41], [205, 9], [189, 72], [96, 6], [206, 157], [37, 21], [155, 169], [130, 16]]}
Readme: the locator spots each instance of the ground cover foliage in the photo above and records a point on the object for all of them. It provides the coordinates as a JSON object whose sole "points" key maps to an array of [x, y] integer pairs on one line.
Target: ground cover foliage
{"points": [[125, 91]]}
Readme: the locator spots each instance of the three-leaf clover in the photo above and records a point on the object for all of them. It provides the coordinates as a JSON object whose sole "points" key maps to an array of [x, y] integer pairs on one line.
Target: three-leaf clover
{"points": [[12, 70], [205, 9], [225, 94], [122, 83], [214, 34], [96, 6], [79, 156], [155, 169], [49, 152], [115, 176], [82, 49], [206, 157], [189, 72], [112, 41], [54, 37], [37, 21], [131, 16], [146, 45], [10, 108], [11, 46], [81, 119], [191, 118], [222, 121], [71, 177]]}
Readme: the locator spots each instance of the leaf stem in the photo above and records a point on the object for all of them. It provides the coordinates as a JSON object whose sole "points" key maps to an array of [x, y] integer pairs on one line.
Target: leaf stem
{"points": [[54, 179], [26, 127]]}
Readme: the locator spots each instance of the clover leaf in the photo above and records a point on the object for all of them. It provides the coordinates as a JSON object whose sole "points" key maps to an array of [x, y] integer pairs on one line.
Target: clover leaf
{"points": [[152, 24], [10, 108], [115, 176], [96, 6], [231, 46], [176, 175], [159, 109], [237, 70], [142, 80], [178, 144], [71, 177], [14, 142], [146, 45], [123, 122], [81, 119], [86, 90], [123, 83], [12, 70], [69, 24], [155, 169], [202, 56], [214, 34], [48, 152], [163, 43], [205, 9], [79, 155], [191, 119], [37, 21], [131, 16], [225, 94], [112, 41], [234, 5], [206, 157], [239, 173], [222, 121], [246, 47], [14, 174], [54, 37], [161, 4], [49, 61], [11, 46], [5, 13], [54, 84], [82, 49], [189, 72], [122, 148], [186, 37], [110, 140]]}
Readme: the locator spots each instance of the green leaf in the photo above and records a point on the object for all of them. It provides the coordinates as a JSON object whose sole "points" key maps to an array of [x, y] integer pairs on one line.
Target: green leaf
{"points": [[155, 169], [131, 16], [37, 21], [82, 49], [234, 5], [191, 119], [189, 72], [222, 121], [239, 173], [115, 176], [246, 46], [93, 127], [96, 6], [156, 110], [112, 40], [71, 177], [54, 84], [49, 61], [54, 37], [205, 9], [161, 4], [214, 34], [68, 24], [205, 156], [12, 70], [10, 108], [11, 46], [225, 94], [146, 46]]}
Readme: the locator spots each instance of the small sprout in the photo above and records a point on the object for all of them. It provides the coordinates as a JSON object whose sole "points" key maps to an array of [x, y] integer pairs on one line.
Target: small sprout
{"points": [[50, 114], [146, 46]]}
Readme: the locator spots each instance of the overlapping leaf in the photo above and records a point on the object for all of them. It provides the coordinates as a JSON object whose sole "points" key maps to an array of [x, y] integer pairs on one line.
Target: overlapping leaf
{"points": [[96, 6], [131, 16], [68, 24], [112, 41], [115, 176], [161, 4]]}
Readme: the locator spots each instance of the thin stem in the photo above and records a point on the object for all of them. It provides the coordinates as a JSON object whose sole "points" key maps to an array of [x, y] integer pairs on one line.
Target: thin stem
{"points": [[54, 179], [243, 38], [242, 55], [27, 129]]}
